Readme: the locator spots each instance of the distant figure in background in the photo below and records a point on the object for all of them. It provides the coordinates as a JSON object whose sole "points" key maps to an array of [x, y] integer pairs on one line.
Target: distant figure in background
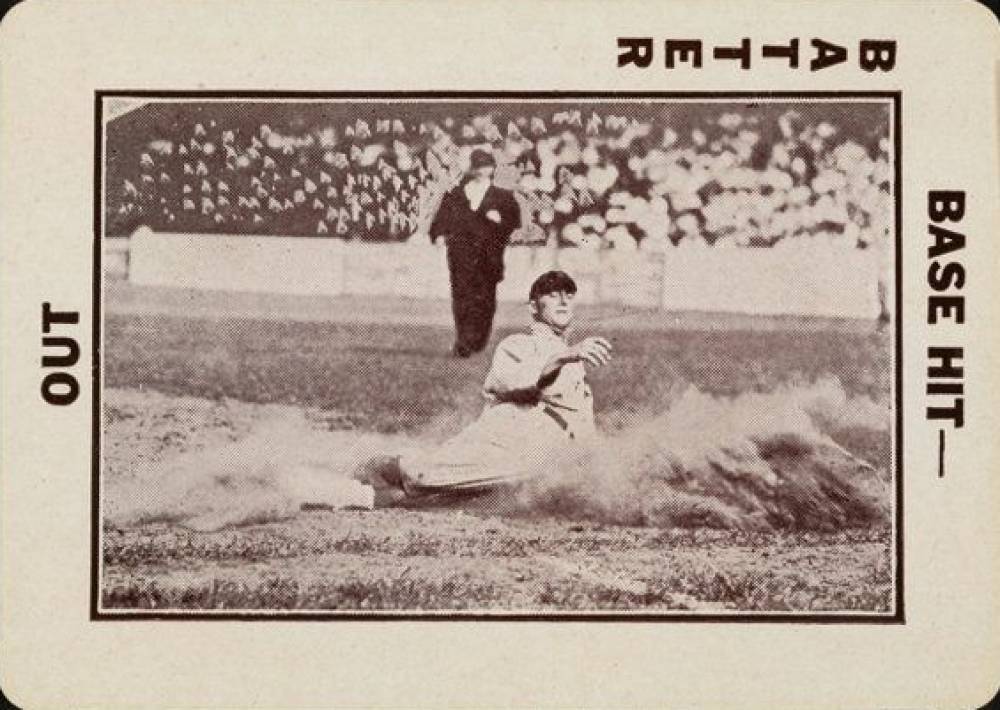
{"points": [[476, 218]]}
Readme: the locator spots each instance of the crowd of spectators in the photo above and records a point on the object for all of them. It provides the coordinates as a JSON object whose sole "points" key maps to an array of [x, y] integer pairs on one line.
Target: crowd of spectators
{"points": [[583, 176]]}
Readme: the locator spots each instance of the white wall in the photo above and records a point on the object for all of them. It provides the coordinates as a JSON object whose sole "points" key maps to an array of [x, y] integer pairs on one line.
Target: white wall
{"points": [[801, 278], [114, 256], [237, 263]]}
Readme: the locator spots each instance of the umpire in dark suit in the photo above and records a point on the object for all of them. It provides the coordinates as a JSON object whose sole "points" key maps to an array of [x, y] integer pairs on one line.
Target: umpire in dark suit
{"points": [[476, 218]]}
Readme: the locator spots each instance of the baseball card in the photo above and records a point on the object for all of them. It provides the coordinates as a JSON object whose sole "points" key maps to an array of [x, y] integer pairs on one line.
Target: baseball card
{"points": [[442, 354]]}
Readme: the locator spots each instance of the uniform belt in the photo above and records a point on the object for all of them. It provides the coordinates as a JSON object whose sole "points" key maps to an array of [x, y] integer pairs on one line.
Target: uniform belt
{"points": [[556, 417]]}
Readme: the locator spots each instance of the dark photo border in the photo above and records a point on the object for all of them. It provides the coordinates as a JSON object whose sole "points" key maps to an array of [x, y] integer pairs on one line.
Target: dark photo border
{"points": [[97, 614]]}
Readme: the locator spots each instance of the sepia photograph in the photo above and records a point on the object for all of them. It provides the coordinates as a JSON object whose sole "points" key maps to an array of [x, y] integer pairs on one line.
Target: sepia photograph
{"points": [[448, 354], [483, 355]]}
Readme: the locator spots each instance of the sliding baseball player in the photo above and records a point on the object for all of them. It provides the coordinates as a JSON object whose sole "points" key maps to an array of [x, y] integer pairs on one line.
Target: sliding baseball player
{"points": [[538, 404]]}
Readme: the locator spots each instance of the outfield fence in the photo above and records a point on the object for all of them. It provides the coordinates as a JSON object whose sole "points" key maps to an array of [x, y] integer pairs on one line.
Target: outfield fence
{"points": [[805, 277]]}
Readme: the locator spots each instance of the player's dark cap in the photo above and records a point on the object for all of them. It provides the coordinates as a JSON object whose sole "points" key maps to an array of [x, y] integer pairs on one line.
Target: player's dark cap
{"points": [[481, 159], [551, 282]]}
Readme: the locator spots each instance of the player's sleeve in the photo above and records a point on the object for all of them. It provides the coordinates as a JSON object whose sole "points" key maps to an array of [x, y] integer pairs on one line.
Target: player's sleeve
{"points": [[517, 366]]}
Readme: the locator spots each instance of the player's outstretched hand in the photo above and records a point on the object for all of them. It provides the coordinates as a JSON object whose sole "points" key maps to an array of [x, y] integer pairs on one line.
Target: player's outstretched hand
{"points": [[594, 351]]}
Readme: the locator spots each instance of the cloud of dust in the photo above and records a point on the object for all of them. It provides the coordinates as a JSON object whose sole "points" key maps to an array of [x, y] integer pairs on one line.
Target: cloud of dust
{"points": [[284, 464], [755, 461]]}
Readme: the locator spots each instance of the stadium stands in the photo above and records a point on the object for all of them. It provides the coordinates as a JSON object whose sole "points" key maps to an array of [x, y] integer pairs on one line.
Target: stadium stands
{"points": [[589, 176]]}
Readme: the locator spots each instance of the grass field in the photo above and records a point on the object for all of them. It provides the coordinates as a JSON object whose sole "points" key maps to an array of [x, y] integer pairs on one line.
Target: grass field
{"points": [[185, 372]]}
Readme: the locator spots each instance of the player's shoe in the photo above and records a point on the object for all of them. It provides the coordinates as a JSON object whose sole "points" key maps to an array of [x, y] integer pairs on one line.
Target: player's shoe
{"points": [[384, 475]]}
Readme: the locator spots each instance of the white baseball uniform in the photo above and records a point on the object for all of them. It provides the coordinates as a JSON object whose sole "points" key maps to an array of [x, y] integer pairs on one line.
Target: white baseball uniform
{"points": [[522, 426]]}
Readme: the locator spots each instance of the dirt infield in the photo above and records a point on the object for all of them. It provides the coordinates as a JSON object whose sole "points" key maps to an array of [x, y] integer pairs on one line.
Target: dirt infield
{"points": [[455, 557], [188, 373]]}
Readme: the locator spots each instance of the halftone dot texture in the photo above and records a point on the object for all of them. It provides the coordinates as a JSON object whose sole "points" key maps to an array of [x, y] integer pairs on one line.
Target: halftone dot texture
{"points": [[718, 446], [744, 463], [590, 174]]}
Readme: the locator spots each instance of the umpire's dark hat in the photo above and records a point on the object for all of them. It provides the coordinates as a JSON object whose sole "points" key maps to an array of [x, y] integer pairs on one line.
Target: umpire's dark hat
{"points": [[551, 282], [481, 159]]}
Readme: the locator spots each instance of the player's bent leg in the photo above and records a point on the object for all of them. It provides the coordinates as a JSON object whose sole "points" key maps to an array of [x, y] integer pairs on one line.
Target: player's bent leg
{"points": [[381, 471]]}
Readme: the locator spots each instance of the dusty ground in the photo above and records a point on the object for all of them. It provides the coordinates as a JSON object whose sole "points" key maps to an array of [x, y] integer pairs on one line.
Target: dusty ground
{"points": [[455, 557], [179, 383]]}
